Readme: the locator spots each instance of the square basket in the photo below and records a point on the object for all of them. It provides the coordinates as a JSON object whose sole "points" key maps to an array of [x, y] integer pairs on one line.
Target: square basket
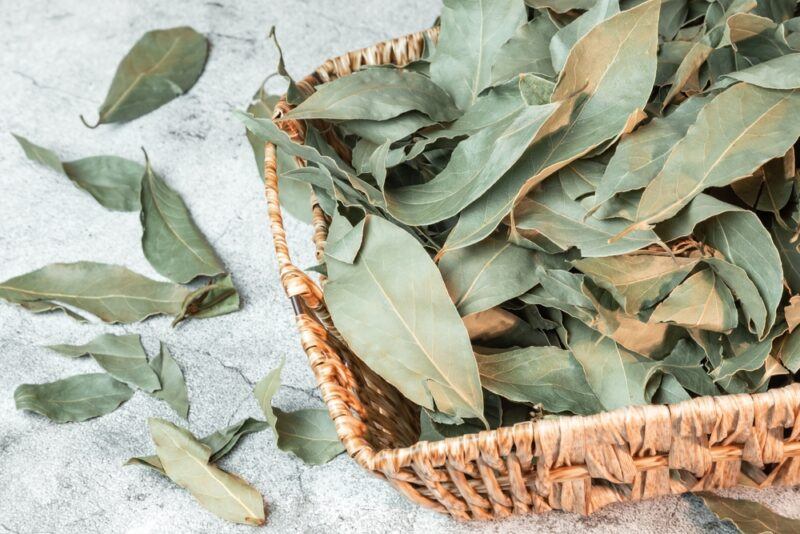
{"points": [[576, 463]]}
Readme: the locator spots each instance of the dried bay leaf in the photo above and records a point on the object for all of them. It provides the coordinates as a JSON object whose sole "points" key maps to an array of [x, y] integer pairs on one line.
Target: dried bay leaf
{"points": [[218, 297], [123, 357], [722, 147], [701, 208], [545, 375], [792, 312], [294, 196], [376, 94], [744, 290], [566, 37], [782, 72], [162, 65], [171, 241], [637, 281], [113, 181], [685, 363], [73, 399], [486, 274], [173, 385], [473, 32], [744, 242], [567, 223], [617, 376], [309, 433], [187, 462], [702, 301], [526, 51], [640, 156], [111, 292], [266, 388], [476, 164], [393, 292], [749, 517]]}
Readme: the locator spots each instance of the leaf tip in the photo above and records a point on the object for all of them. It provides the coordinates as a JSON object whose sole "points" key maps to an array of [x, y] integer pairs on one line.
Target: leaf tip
{"points": [[83, 120]]}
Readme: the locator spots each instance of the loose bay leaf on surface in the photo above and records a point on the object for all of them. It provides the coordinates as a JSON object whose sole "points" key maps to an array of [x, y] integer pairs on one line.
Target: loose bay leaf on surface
{"points": [[76, 398], [113, 181], [527, 51], [702, 301], [220, 442], [123, 357], [722, 147], [565, 222], [218, 297], [545, 375], [617, 376], [472, 34], [611, 69], [171, 241], [112, 293], [488, 273], [566, 37], [162, 65], [186, 461], [265, 389], [173, 385], [476, 164], [376, 94], [749, 517], [744, 242], [309, 433], [637, 281], [391, 306]]}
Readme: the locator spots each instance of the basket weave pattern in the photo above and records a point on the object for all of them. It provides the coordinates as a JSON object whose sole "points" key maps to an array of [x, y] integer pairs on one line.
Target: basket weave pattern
{"points": [[576, 464]]}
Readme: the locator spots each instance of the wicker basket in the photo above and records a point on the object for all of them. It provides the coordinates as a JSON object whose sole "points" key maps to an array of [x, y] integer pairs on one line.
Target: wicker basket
{"points": [[577, 464]]}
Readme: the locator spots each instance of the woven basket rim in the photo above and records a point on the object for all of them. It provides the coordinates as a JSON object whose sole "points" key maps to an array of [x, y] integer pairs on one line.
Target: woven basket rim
{"points": [[307, 300]]}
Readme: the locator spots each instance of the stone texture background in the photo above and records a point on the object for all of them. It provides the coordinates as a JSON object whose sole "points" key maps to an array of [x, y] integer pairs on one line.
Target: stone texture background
{"points": [[56, 61]]}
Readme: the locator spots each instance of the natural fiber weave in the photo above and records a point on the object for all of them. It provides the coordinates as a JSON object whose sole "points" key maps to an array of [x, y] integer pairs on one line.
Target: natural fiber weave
{"points": [[574, 463]]}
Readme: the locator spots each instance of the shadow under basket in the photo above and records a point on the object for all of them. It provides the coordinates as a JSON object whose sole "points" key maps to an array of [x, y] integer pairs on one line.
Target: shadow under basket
{"points": [[577, 464]]}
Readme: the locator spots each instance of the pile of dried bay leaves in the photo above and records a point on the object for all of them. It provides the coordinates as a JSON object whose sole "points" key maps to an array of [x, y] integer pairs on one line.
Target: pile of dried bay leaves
{"points": [[564, 207]]}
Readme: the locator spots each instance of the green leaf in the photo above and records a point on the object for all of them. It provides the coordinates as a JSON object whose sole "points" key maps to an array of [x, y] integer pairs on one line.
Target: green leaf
{"points": [[722, 147], [391, 306], [637, 281], [376, 94], [790, 257], [782, 72], [744, 242], [670, 391], [294, 196], [702, 301], [172, 243], [640, 156], [749, 517], [561, 6], [744, 290], [113, 181], [186, 462], [112, 293], [173, 386], [750, 357], [563, 41], [701, 208], [611, 70], [472, 35], [616, 375], [73, 399], [162, 65], [123, 357], [580, 178], [567, 223], [218, 297], [293, 94], [392, 129], [487, 274], [539, 375], [527, 51], [310, 434], [685, 363], [266, 388], [476, 164], [220, 442]]}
